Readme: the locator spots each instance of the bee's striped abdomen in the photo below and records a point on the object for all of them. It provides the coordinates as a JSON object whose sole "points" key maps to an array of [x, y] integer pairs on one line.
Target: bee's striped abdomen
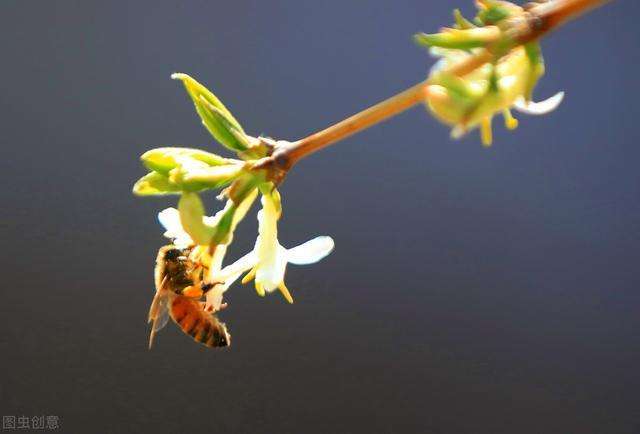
{"points": [[202, 326]]}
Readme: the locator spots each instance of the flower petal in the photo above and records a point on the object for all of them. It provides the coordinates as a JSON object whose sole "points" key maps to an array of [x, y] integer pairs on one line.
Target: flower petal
{"points": [[225, 277], [310, 252], [213, 298], [539, 108], [243, 264], [270, 272], [458, 132], [271, 256], [170, 219], [215, 295]]}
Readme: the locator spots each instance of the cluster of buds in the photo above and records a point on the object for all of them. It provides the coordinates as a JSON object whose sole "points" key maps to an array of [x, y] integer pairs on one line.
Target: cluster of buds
{"points": [[505, 81], [187, 172]]}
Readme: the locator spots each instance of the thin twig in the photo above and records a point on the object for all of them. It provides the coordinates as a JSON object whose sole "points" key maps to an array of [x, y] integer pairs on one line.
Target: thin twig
{"points": [[538, 21]]}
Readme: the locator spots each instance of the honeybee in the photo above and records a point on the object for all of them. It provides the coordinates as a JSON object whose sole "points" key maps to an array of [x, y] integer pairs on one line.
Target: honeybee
{"points": [[179, 287]]}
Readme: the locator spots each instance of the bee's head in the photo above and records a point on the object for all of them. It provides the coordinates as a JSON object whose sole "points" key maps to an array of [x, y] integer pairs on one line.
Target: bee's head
{"points": [[172, 255]]}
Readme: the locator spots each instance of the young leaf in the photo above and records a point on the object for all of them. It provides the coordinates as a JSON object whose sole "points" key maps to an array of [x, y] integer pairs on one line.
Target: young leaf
{"points": [[155, 184], [492, 15], [536, 68], [461, 22], [220, 127], [459, 39], [215, 116], [204, 178], [164, 160]]}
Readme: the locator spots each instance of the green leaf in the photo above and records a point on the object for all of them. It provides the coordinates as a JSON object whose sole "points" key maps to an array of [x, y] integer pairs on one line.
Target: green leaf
{"points": [[219, 126], [492, 14], [224, 226], [164, 160], [155, 184], [536, 71], [220, 231], [493, 80], [459, 39], [244, 186], [243, 207], [188, 175], [215, 116], [461, 22], [457, 86], [231, 215], [205, 178]]}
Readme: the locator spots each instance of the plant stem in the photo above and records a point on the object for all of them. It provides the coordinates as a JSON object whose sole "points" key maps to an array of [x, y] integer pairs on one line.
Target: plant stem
{"points": [[540, 20], [559, 12], [358, 122]]}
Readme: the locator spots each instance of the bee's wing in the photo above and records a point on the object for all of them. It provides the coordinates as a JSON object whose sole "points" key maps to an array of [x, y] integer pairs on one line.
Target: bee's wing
{"points": [[159, 312]]}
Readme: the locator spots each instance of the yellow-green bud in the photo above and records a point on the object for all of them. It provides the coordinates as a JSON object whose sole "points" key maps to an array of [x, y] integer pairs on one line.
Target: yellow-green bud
{"points": [[216, 118], [460, 39], [155, 184], [164, 160], [196, 178]]}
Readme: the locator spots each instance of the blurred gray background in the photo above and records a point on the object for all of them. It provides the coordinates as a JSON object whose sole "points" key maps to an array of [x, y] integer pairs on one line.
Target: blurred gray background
{"points": [[471, 290]]}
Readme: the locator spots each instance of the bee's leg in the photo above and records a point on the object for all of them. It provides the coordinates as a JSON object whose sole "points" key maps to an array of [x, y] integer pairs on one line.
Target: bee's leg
{"points": [[210, 308]]}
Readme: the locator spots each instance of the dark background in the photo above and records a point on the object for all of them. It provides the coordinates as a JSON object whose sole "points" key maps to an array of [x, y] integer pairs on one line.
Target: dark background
{"points": [[471, 290]]}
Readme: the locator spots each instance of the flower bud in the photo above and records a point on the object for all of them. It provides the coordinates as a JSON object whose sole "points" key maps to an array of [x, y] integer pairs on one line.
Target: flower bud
{"points": [[472, 100], [460, 39], [163, 160], [195, 178], [492, 12], [155, 184]]}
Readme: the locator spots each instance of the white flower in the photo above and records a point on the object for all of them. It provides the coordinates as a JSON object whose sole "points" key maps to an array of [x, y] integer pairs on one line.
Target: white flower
{"points": [[170, 219], [268, 260], [472, 101]]}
